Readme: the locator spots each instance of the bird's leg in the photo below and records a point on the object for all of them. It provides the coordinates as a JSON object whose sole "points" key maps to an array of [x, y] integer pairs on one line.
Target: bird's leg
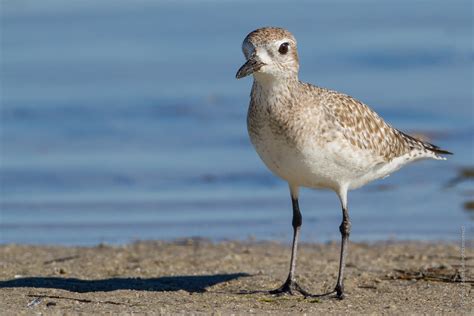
{"points": [[345, 230], [290, 286]]}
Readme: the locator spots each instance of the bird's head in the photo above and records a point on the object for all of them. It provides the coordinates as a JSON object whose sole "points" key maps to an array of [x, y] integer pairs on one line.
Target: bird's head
{"points": [[271, 54]]}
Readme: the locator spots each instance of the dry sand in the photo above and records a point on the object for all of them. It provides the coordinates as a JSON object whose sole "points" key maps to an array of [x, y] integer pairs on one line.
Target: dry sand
{"points": [[200, 277]]}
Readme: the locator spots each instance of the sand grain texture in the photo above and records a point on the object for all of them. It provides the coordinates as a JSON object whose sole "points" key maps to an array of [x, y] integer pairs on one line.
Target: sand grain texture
{"points": [[200, 277]]}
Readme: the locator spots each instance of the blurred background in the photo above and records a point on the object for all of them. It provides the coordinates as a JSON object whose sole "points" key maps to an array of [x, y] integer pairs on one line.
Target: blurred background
{"points": [[122, 120]]}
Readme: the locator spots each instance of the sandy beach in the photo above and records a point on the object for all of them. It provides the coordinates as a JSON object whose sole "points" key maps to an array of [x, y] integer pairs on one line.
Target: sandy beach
{"points": [[123, 132], [200, 277]]}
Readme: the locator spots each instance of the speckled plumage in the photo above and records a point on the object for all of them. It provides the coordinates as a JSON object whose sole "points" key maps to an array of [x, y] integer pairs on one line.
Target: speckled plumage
{"points": [[305, 118], [315, 137]]}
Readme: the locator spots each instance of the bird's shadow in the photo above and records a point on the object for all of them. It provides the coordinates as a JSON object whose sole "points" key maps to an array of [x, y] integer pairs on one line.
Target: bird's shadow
{"points": [[189, 283]]}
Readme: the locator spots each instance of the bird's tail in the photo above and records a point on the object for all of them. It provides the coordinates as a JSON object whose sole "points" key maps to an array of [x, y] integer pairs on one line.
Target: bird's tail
{"points": [[418, 144]]}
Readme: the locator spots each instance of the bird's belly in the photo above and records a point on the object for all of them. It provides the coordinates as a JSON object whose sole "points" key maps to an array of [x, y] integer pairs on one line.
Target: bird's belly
{"points": [[314, 164], [311, 167]]}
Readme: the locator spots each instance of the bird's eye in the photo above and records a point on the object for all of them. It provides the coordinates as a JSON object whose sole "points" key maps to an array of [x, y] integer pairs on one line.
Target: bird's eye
{"points": [[283, 48]]}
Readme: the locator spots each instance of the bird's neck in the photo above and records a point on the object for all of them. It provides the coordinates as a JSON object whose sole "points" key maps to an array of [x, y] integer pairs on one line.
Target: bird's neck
{"points": [[273, 93], [268, 86]]}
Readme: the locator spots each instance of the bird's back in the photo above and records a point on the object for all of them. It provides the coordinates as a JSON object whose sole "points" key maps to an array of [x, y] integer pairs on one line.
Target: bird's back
{"points": [[366, 130]]}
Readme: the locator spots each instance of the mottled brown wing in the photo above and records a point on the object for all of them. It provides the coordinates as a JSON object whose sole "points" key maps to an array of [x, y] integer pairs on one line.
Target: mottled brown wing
{"points": [[365, 129]]}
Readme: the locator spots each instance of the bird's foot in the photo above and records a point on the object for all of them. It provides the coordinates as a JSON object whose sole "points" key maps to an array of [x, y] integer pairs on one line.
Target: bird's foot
{"points": [[338, 293], [339, 290], [290, 288]]}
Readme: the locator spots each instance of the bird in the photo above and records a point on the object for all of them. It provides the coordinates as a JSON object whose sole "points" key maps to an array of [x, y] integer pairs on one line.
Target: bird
{"points": [[315, 137]]}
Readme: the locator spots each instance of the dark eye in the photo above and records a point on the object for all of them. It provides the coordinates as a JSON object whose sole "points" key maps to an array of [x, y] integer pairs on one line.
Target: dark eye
{"points": [[284, 48]]}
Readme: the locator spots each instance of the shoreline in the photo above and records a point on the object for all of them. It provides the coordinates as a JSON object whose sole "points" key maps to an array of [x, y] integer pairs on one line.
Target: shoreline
{"points": [[201, 277], [286, 241]]}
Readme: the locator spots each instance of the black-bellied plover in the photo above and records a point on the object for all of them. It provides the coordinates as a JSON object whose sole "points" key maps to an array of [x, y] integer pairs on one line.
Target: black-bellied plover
{"points": [[315, 137]]}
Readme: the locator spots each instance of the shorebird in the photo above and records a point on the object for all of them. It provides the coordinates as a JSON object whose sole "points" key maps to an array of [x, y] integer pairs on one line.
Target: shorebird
{"points": [[315, 137]]}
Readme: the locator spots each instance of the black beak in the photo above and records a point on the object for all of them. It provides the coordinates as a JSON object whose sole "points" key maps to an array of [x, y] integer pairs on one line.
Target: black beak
{"points": [[252, 65]]}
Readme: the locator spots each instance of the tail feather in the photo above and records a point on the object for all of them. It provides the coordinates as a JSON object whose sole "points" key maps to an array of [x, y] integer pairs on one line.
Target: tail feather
{"points": [[416, 143]]}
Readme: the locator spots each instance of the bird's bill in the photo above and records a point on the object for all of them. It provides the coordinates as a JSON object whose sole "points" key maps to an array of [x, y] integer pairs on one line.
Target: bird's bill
{"points": [[252, 65]]}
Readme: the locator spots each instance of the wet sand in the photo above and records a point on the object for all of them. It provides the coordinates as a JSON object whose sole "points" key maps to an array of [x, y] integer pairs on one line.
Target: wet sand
{"points": [[201, 277]]}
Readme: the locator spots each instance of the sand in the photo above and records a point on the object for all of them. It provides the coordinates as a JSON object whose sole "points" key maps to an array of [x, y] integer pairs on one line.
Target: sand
{"points": [[201, 277]]}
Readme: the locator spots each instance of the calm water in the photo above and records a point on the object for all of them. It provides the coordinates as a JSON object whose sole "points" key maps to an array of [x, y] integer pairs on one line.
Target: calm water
{"points": [[122, 120]]}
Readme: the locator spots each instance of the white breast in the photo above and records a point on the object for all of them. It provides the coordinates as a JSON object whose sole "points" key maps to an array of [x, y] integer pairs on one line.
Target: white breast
{"points": [[311, 165]]}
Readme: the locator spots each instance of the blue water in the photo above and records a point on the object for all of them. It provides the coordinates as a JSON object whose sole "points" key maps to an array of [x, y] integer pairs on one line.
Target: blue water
{"points": [[122, 120]]}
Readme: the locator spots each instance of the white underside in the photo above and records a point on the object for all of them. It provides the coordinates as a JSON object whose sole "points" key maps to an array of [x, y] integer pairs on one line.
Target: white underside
{"points": [[336, 166]]}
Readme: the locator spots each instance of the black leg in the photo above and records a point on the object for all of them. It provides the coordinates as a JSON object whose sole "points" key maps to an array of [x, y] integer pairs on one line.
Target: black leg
{"points": [[290, 286], [345, 230], [296, 223]]}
